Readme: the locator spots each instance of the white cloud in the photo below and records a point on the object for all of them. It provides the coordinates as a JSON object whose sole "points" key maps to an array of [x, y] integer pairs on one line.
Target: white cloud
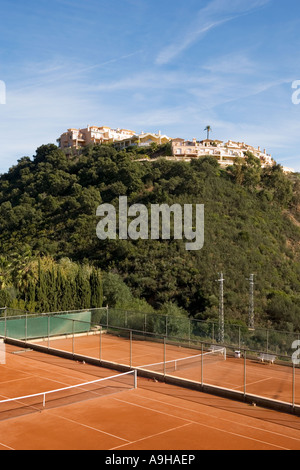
{"points": [[174, 49], [216, 13]]}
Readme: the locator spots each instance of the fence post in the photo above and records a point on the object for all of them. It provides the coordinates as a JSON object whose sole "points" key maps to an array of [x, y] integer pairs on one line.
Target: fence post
{"points": [[245, 372], [202, 364], [5, 322], [100, 345], [293, 387], [26, 327], [164, 355], [48, 330], [130, 348]]}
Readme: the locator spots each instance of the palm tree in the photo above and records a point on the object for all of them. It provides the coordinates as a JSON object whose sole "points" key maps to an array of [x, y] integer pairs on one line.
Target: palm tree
{"points": [[5, 273], [208, 129]]}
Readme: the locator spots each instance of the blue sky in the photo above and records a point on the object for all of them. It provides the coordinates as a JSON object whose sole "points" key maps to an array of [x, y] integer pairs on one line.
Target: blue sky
{"points": [[150, 65]]}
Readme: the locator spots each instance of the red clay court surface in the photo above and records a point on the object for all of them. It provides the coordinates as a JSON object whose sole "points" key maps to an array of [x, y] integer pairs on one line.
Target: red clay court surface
{"points": [[155, 416], [272, 381]]}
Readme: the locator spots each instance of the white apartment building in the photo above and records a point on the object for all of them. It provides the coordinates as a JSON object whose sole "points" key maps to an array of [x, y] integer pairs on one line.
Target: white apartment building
{"points": [[225, 153], [144, 139], [77, 138]]}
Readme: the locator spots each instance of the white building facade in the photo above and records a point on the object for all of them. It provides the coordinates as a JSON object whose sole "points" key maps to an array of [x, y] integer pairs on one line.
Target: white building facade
{"points": [[226, 153]]}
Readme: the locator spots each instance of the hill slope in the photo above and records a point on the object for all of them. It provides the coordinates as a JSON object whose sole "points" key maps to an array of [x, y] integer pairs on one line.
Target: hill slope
{"points": [[48, 205]]}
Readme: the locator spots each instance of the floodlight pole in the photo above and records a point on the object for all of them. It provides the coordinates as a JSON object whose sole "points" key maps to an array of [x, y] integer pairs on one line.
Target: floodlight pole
{"points": [[221, 309]]}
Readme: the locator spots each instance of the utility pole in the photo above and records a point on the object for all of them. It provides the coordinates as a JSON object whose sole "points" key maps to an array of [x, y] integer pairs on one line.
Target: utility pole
{"points": [[251, 302], [221, 309]]}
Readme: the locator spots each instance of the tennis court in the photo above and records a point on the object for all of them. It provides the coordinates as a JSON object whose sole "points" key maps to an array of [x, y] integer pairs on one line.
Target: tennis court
{"points": [[272, 381], [189, 358], [154, 416]]}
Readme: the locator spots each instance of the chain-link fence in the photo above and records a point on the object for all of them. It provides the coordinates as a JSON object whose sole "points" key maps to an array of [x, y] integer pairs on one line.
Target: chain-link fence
{"points": [[173, 326], [237, 336], [252, 363]]}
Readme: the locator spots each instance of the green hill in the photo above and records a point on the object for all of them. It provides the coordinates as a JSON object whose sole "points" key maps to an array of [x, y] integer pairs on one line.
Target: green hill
{"points": [[252, 226]]}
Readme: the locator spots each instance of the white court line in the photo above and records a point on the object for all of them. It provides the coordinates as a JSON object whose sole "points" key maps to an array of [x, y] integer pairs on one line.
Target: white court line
{"points": [[222, 419], [7, 447], [30, 374], [253, 383], [91, 427], [44, 379], [153, 435], [230, 385], [204, 425]]}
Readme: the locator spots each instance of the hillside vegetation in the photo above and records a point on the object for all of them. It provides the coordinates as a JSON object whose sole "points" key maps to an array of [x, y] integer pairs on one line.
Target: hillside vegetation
{"points": [[52, 259]]}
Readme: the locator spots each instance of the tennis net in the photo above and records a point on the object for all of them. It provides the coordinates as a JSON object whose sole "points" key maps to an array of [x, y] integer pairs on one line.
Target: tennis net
{"points": [[21, 405], [215, 354]]}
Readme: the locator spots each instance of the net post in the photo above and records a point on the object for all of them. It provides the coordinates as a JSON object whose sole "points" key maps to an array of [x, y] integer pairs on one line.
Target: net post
{"points": [[135, 379]]}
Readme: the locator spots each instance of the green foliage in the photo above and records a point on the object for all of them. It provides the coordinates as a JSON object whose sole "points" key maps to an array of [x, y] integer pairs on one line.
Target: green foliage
{"points": [[48, 205]]}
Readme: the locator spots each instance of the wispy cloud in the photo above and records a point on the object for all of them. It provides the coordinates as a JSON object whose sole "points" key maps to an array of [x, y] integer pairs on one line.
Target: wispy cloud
{"points": [[236, 62], [216, 13], [229, 78], [59, 70]]}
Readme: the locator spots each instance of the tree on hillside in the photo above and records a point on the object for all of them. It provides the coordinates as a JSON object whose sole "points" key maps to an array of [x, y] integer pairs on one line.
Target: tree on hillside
{"points": [[279, 184], [246, 171], [49, 204]]}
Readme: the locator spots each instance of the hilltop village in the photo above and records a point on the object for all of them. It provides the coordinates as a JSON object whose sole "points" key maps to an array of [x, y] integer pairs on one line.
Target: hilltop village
{"points": [[183, 150]]}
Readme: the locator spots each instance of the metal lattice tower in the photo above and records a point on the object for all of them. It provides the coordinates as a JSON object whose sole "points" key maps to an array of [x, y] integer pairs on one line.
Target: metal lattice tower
{"points": [[221, 308]]}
